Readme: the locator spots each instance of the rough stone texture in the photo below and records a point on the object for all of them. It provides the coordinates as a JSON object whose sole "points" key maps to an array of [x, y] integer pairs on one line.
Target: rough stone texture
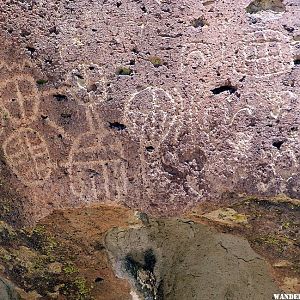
{"points": [[110, 253], [160, 106], [162, 262], [7, 291], [155, 104]]}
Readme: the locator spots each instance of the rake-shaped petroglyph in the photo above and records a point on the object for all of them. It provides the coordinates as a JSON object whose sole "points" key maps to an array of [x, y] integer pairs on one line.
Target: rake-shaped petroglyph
{"points": [[263, 53], [97, 168], [151, 113], [27, 154]]}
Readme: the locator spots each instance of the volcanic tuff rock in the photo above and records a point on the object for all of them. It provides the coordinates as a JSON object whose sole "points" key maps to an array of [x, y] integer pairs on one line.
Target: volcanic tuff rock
{"points": [[158, 105], [112, 253], [186, 108]]}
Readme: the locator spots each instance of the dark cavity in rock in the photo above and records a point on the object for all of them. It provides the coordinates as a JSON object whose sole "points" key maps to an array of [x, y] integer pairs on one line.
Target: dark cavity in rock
{"points": [[117, 126], [225, 88]]}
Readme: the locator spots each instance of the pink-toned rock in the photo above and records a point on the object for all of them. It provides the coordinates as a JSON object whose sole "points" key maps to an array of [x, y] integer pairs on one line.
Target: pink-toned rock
{"points": [[159, 105]]}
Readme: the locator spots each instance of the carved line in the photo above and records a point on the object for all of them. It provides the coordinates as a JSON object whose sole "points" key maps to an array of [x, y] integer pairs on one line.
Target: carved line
{"points": [[24, 120], [21, 142]]}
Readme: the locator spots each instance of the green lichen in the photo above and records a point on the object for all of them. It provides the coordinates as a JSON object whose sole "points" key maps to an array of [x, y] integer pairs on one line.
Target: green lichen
{"points": [[124, 71], [41, 81], [5, 115], [156, 61], [82, 288], [5, 255], [41, 240], [70, 268], [279, 243], [78, 289]]}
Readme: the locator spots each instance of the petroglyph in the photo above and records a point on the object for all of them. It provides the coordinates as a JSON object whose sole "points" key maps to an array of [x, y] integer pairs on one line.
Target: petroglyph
{"points": [[151, 114], [19, 99], [28, 156], [281, 103], [263, 53], [201, 58], [97, 168]]}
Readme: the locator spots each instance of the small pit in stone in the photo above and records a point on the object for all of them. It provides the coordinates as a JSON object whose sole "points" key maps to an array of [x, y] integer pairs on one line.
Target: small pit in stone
{"points": [[117, 126], [297, 61], [225, 88], [99, 279], [278, 144], [30, 49], [199, 22], [149, 148], [60, 97], [257, 6]]}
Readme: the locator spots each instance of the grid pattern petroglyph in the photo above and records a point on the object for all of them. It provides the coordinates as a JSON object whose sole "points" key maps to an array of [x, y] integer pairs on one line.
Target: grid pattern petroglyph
{"points": [[27, 154], [263, 53]]}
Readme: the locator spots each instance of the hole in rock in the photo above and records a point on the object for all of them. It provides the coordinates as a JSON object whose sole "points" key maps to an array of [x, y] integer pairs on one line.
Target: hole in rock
{"points": [[66, 115], [150, 260], [60, 97], [150, 148], [199, 22], [79, 76], [31, 50], [144, 9], [297, 61], [256, 6], [277, 144], [288, 28], [117, 126], [135, 51], [225, 88], [54, 30], [99, 279]]}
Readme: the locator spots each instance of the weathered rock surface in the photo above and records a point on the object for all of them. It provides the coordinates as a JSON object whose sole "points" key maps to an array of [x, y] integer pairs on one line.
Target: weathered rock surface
{"points": [[7, 291], [110, 253], [173, 259], [165, 107], [155, 104]]}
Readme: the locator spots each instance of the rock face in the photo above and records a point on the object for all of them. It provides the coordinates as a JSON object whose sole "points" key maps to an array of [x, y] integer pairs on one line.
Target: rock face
{"points": [[155, 104], [162, 262], [130, 128], [7, 292], [113, 253]]}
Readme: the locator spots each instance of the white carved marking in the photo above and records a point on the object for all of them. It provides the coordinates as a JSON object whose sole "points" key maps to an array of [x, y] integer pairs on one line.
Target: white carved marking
{"points": [[20, 99], [264, 53], [97, 171], [28, 156]]}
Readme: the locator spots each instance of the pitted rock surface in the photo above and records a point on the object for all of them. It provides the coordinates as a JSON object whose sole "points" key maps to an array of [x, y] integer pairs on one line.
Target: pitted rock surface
{"points": [[159, 105]]}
